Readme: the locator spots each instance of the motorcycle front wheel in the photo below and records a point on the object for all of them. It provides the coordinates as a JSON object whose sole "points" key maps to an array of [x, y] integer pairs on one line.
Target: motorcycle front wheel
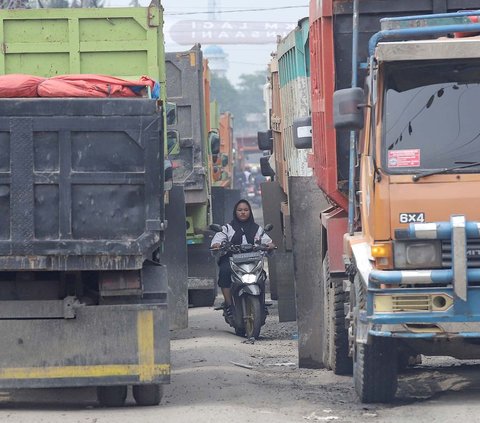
{"points": [[253, 317]]}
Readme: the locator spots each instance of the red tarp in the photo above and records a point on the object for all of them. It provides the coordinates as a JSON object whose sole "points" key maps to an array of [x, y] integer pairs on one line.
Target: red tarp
{"points": [[16, 85], [85, 85]]}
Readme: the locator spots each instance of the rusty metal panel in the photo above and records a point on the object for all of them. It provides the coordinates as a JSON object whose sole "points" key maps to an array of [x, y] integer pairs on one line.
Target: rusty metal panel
{"points": [[335, 221], [307, 201]]}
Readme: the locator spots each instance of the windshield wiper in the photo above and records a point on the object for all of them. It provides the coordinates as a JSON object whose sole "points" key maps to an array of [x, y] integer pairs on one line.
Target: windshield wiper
{"points": [[460, 165]]}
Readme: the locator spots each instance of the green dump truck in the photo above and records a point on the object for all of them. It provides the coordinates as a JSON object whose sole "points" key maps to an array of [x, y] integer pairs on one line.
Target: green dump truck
{"points": [[83, 296], [188, 87]]}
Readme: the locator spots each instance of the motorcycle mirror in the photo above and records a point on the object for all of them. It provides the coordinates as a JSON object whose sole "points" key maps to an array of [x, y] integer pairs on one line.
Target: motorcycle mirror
{"points": [[216, 228], [268, 227]]}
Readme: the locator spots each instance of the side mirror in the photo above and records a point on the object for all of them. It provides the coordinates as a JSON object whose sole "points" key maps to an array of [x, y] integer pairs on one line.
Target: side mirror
{"points": [[173, 142], [348, 107], [302, 133], [216, 228], [214, 142], [268, 227], [171, 111], [265, 140], [265, 167], [224, 160]]}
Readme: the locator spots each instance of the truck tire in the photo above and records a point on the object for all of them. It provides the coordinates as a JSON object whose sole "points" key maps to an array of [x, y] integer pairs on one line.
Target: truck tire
{"points": [[375, 364], [240, 332], [338, 356], [112, 396], [253, 319], [202, 297], [147, 395]]}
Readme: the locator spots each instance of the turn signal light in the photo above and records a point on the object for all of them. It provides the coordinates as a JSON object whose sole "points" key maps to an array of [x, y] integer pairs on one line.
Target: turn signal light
{"points": [[382, 253]]}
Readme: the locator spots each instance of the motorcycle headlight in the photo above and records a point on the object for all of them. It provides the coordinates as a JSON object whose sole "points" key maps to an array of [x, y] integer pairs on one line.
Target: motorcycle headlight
{"points": [[249, 278], [418, 254]]}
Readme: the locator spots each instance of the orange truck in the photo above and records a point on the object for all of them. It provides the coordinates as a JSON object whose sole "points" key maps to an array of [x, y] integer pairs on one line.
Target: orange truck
{"points": [[399, 161]]}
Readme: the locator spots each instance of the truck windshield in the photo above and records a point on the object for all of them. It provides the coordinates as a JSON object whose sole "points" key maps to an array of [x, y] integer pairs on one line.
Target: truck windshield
{"points": [[431, 116]]}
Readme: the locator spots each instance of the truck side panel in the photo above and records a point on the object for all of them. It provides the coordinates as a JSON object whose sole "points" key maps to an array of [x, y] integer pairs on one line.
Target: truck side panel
{"points": [[124, 42], [185, 88]]}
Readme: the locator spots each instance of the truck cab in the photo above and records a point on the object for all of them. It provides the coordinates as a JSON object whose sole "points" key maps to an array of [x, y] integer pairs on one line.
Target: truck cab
{"points": [[414, 260]]}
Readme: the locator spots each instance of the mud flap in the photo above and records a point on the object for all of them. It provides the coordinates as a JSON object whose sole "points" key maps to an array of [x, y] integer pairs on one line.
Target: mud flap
{"points": [[175, 257], [307, 201]]}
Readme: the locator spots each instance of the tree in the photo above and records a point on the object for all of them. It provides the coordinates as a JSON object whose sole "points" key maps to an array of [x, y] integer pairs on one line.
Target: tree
{"points": [[251, 90], [245, 102], [225, 94]]}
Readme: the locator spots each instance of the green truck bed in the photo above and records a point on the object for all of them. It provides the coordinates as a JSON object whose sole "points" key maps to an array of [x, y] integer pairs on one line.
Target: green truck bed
{"points": [[123, 42]]}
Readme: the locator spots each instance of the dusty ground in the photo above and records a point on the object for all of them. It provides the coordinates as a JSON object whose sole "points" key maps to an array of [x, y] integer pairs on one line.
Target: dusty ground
{"points": [[217, 377]]}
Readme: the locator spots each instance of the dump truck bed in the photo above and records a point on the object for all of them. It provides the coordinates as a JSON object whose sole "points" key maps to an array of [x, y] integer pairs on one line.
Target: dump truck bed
{"points": [[80, 183]]}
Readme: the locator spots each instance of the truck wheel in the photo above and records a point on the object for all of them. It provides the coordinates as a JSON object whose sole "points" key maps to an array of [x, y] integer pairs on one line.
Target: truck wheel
{"points": [[202, 297], [112, 396], [338, 357], [375, 364], [147, 395], [253, 319]]}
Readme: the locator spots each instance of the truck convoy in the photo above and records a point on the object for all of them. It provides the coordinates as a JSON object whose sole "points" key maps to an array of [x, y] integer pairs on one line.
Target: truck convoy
{"points": [[397, 161], [83, 297]]}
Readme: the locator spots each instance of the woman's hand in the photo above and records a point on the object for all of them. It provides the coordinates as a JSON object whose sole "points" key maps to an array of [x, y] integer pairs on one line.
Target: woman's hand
{"points": [[271, 246], [215, 246]]}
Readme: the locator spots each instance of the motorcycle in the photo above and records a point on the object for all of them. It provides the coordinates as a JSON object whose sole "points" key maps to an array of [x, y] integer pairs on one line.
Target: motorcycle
{"points": [[248, 285]]}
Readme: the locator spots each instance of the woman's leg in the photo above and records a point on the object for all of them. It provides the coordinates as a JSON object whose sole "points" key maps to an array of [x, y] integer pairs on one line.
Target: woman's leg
{"points": [[227, 295], [225, 279]]}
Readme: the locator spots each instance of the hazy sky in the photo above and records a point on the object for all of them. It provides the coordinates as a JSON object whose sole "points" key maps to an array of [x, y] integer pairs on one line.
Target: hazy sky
{"points": [[242, 58]]}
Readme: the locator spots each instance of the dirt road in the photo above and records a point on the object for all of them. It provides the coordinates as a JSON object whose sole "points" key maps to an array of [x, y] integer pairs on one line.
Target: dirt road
{"points": [[217, 377]]}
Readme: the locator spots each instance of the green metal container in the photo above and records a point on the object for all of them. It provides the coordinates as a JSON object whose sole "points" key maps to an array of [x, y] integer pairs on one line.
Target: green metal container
{"points": [[123, 42]]}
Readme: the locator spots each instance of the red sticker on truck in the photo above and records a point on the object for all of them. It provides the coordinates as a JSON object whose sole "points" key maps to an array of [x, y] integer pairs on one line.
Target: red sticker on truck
{"points": [[404, 158]]}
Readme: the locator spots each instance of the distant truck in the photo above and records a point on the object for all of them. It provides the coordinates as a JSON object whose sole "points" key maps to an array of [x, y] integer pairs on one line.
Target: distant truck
{"points": [[224, 195], [188, 87], [83, 297]]}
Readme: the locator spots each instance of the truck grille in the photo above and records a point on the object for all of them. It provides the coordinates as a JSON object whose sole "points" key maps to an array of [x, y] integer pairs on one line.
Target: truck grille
{"points": [[411, 303], [473, 253]]}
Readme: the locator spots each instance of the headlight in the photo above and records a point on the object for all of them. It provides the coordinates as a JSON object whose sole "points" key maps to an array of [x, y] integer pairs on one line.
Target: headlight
{"points": [[418, 254], [249, 278]]}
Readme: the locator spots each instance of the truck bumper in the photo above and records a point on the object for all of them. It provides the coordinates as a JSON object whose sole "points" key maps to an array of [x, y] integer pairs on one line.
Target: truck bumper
{"points": [[102, 345], [455, 319]]}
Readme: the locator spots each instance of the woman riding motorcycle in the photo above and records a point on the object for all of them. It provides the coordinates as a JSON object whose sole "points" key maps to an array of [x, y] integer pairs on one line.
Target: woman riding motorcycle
{"points": [[241, 230]]}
